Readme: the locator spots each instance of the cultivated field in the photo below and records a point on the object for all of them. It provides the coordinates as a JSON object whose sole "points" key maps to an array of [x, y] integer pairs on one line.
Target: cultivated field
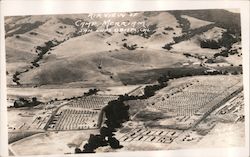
{"points": [[184, 108], [79, 114]]}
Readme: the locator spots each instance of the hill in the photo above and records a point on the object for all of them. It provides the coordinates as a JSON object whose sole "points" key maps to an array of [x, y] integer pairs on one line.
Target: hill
{"points": [[48, 50]]}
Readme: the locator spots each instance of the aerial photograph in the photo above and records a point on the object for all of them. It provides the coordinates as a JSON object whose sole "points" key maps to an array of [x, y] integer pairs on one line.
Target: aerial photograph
{"points": [[124, 81]]}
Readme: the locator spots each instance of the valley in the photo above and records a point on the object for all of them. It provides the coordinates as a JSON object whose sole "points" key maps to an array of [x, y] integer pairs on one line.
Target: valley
{"points": [[170, 82]]}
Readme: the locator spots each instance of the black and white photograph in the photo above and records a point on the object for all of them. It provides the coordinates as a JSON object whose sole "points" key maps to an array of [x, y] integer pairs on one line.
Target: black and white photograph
{"points": [[124, 81]]}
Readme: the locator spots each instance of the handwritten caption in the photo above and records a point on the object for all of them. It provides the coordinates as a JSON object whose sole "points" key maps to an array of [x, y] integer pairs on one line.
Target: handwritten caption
{"points": [[112, 22]]}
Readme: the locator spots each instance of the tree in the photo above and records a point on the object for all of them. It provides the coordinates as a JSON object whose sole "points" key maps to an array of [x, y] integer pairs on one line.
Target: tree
{"points": [[34, 99], [114, 143]]}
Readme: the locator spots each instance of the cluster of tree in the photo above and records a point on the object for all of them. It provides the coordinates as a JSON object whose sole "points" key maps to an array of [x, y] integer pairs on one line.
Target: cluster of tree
{"points": [[116, 113], [187, 35], [183, 22], [131, 47], [22, 102], [91, 92], [58, 32], [168, 29], [33, 33], [62, 27], [16, 78], [209, 43], [226, 41], [221, 18], [41, 50], [105, 138], [187, 54], [168, 46], [151, 89], [192, 33], [223, 53]]}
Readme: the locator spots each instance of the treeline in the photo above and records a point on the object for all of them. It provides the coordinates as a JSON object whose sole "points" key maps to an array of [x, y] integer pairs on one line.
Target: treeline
{"points": [[91, 92], [188, 35], [192, 33], [42, 50], [116, 113], [15, 78], [183, 22], [222, 18]]}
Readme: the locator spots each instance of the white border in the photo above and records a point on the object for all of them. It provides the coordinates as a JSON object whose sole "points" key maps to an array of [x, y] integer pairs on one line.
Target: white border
{"points": [[29, 7]]}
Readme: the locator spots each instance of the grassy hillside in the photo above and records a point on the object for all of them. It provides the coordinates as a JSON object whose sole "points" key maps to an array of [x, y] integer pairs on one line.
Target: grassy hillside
{"points": [[47, 50], [222, 18]]}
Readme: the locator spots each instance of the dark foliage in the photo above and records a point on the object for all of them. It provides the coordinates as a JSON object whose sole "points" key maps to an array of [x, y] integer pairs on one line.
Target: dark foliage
{"points": [[91, 92], [33, 33], [212, 44], [187, 54], [168, 46], [222, 18], [168, 29], [22, 102], [226, 41], [117, 113], [187, 35], [42, 50], [130, 47], [183, 22]]}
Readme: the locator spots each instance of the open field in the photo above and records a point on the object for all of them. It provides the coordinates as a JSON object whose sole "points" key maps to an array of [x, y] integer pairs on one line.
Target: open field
{"points": [[43, 94], [150, 76], [22, 119], [47, 94], [51, 142]]}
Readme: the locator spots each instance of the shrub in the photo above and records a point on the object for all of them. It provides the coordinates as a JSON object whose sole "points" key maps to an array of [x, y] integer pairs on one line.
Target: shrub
{"points": [[130, 47], [168, 28], [168, 46], [212, 44]]}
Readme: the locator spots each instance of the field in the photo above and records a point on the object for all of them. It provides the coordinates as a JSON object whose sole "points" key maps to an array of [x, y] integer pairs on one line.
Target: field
{"points": [[150, 76], [70, 119], [45, 94], [187, 98], [79, 114], [51, 142], [52, 93], [25, 119]]}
